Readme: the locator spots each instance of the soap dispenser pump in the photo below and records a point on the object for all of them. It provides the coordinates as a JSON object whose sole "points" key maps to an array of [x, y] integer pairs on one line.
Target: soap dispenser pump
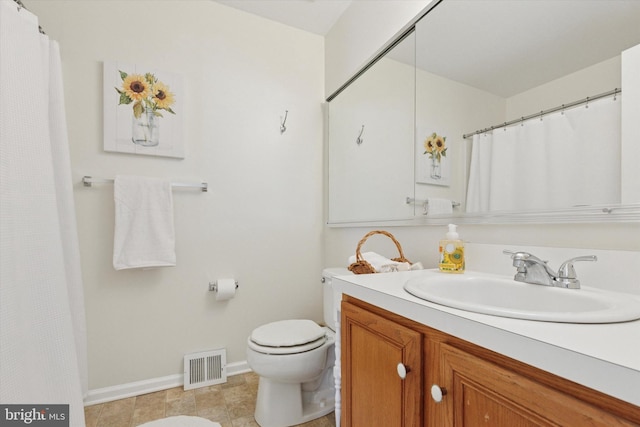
{"points": [[451, 252]]}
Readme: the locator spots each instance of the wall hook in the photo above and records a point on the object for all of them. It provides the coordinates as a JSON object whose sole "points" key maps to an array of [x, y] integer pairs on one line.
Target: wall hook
{"points": [[359, 140], [283, 128]]}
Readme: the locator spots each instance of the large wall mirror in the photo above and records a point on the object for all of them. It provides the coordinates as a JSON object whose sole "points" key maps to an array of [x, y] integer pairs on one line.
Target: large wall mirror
{"points": [[371, 133], [509, 109]]}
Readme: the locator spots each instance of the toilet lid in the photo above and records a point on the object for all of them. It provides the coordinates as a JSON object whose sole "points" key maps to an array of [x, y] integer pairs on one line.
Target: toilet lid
{"points": [[287, 333]]}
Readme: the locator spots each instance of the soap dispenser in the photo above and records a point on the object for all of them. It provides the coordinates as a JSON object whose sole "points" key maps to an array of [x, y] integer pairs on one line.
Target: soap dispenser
{"points": [[451, 252]]}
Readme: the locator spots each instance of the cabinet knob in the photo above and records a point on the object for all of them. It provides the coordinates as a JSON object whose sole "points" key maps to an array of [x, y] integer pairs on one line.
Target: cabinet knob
{"points": [[438, 393], [402, 370]]}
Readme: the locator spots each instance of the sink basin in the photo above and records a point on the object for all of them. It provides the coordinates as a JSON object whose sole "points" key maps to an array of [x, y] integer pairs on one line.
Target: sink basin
{"points": [[501, 296]]}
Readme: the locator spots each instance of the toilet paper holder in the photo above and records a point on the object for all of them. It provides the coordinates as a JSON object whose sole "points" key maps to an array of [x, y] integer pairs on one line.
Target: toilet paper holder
{"points": [[213, 286]]}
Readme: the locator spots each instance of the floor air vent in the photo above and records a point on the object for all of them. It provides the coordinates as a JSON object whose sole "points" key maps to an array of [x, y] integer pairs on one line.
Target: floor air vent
{"points": [[205, 368]]}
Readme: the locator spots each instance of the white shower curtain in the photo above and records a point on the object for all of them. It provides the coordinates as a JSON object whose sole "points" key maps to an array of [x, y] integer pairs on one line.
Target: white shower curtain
{"points": [[42, 324], [569, 158]]}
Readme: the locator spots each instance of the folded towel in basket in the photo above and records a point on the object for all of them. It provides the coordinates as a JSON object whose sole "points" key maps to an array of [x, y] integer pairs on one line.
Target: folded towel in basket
{"points": [[144, 232], [378, 262]]}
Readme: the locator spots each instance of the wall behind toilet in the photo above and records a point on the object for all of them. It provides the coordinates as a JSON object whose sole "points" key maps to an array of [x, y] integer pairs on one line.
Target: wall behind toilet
{"points": [[260, 222]]}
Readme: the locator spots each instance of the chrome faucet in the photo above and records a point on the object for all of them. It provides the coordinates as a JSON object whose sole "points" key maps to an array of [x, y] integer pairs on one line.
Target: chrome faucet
{"points": [[532, 269]]}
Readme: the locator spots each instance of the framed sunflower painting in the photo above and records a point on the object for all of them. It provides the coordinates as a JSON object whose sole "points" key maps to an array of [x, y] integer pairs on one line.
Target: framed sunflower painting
{"points": [[143, 111], [432, 163]]}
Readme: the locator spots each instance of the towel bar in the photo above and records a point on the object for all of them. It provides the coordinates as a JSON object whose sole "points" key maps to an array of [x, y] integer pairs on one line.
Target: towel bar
{"points": [[88, 181], [410, 200]]}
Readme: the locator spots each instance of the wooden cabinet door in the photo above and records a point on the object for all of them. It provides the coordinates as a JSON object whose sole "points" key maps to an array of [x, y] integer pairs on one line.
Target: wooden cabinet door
{"points": [[373, 393], [480, 393]]}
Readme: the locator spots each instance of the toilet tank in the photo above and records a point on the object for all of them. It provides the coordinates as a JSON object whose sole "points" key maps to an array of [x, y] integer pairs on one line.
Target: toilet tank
{"points": [[331, 299]]}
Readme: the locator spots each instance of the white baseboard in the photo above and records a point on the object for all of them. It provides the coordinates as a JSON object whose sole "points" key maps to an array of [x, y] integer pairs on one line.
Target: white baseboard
{"points": [[238, 368], [122, 391]]}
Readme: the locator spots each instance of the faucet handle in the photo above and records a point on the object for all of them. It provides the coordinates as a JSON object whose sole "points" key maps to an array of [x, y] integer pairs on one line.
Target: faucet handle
{"points": [[566, 270], [518, 262], [518, 258], [517, 255], [567, 274]]}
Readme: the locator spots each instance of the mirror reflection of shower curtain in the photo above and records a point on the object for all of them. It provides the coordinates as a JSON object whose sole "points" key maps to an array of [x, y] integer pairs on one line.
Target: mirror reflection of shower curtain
{"points": [[567, 159], [42, 317]]}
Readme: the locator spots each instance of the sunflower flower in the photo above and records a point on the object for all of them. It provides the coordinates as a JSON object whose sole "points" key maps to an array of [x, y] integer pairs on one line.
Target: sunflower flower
{"points": [[136, 87], [147, 93], [439, 142], [429, 145], [435, 146], [162, 97]]}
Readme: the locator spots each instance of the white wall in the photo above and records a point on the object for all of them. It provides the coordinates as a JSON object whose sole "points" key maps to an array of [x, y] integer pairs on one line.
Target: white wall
{"points": [[593, 80], [260, 222]]}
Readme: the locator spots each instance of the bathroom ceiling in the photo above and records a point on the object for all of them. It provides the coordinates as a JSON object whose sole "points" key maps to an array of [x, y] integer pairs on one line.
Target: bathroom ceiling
{"points": [[315, 16], [506, 47], [601, 25]]}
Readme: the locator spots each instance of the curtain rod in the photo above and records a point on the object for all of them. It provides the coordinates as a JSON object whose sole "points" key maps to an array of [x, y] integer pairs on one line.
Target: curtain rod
{"points": [[399, 37], [22, 6], [586, 100]]}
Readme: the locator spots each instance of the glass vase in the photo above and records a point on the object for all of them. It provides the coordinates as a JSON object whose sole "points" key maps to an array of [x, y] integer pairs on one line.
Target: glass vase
{"points": [[146, 129], [436, 168]]}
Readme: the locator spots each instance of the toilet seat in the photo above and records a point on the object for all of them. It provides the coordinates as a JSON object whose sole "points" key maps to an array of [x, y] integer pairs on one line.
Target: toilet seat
{"points": [[286, 350], [287, 337]]}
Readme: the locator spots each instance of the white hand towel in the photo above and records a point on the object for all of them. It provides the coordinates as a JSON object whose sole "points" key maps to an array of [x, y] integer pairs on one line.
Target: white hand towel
{"points": [[144, 233], [438, 206], [378, 261]]}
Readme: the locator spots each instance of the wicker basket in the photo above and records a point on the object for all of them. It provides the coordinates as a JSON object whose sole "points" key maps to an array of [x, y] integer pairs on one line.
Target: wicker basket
{"points": [[363, 267]]}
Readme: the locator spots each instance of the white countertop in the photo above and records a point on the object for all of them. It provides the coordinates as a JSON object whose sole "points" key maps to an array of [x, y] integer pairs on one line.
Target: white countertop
{"points": [[604, 357]]}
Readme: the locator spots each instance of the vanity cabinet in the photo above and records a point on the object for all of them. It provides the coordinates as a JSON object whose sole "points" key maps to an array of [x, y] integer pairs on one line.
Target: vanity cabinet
{"points": [[381, 371], [478, 387], [480, 393]]}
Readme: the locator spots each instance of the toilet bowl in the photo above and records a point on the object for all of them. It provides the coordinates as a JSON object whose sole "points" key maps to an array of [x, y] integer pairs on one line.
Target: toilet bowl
{"points": [[294, 360]]}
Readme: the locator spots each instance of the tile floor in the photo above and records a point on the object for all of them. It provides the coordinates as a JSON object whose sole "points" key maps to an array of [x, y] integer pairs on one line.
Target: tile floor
{"points": [[230, 404]]}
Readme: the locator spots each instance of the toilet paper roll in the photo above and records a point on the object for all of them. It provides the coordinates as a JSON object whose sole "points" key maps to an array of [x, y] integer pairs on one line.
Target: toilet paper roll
{"points": [[226, 289]]}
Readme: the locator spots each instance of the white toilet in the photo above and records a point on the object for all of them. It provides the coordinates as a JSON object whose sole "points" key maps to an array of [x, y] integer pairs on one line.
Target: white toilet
{"points": [[295, 359]]}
